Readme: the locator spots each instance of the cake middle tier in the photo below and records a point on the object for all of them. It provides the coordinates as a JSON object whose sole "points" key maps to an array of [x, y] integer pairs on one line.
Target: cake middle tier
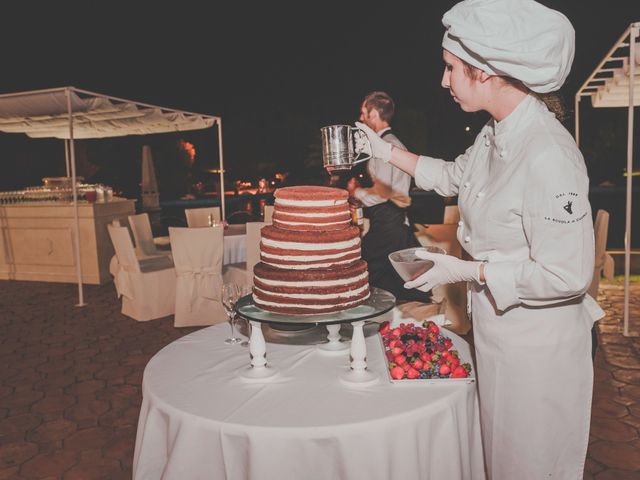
{"points": [[303, 250], [310, 291]]}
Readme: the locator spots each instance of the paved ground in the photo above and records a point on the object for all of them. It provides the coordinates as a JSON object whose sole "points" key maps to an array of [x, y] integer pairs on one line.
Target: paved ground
{"points": [[70, 384]]}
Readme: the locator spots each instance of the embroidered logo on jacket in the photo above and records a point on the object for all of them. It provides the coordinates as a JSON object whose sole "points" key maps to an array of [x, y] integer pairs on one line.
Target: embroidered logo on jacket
{"points": [[567, 207]]}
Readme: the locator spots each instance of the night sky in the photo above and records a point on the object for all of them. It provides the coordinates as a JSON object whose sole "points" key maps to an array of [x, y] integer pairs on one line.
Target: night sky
{"points": [[274, 74]]}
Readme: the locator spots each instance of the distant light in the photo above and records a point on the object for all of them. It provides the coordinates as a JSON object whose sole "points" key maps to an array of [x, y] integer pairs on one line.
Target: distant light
{"points": [[361, 175], [273, 183], [467, 128]]}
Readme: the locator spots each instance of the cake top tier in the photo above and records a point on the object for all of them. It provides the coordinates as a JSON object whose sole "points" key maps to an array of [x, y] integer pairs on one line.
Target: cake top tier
{"points": [[312, 193]]}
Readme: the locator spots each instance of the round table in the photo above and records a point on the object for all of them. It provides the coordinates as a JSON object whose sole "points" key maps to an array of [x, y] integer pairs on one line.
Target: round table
{"points": [[200, 420]]}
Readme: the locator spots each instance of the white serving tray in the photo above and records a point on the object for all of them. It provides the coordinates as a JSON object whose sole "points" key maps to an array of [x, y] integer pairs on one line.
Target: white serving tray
{"points": [[464, 353]]}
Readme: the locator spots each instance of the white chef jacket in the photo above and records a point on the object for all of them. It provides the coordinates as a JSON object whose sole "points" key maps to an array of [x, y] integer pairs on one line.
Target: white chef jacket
{"points": [[522, 193]]}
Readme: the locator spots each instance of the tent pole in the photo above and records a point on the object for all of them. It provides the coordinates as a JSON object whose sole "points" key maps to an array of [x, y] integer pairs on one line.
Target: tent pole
{"points": [[577, 119], [633, 34], [222, 204], [76, 233], [66, 156]]}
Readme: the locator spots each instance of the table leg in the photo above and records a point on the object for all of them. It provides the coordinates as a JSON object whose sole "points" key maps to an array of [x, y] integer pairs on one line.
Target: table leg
{"points": [[358, 373], [334, 344], [258, 349]]}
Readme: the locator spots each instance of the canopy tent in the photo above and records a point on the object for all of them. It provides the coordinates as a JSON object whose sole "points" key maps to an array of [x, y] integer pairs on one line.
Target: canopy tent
{"points": [[70, 113], [616, 83]]}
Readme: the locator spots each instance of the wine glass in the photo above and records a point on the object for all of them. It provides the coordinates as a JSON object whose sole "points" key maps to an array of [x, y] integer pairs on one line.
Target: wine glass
{"points": [[244, 291], [230, 295]]}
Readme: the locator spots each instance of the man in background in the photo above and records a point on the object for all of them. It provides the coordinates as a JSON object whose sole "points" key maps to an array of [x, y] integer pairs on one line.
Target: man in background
{"points": [[385, 204]]}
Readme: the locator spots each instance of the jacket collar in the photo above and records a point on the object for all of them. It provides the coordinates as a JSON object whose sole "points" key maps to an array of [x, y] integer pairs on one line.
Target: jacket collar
{"points": [[509, 130]]}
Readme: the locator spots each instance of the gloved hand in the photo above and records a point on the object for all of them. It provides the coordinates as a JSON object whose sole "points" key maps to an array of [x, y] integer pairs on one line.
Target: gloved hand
{"points": [[446, 269], [379, 148]]}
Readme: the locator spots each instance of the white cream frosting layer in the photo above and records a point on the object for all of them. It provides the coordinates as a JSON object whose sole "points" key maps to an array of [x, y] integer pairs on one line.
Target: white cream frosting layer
{"points": [[308, 203], [311, 246], [313, 283], [313, 215], [300, 305], [310, 258], [313, 224], [310, 265], [317, 296]]}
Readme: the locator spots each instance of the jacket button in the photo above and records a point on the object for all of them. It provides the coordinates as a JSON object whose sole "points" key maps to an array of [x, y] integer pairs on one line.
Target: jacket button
{"points": [[487, 143], [503, 153], [467, 239], [467, 184], [460, 223]]}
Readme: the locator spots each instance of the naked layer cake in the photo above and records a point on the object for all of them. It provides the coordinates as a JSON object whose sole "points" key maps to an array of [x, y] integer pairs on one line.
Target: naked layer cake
{"points": [[310, 256]]}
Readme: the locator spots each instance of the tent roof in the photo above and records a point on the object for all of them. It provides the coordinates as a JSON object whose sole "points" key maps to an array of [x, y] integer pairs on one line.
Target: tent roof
{"points": [[608, 85], [44, 114]]}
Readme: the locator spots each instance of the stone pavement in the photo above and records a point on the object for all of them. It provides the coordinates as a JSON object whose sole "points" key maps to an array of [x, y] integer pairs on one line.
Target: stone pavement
{"points": [[70, 384]]}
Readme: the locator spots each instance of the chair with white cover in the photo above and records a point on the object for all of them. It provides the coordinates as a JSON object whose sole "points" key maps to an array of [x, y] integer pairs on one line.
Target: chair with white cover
{"points": [[143, 236], [199, 217], [197, 254], [242, 273], [603, 261], [268, 214], [147, 286]]}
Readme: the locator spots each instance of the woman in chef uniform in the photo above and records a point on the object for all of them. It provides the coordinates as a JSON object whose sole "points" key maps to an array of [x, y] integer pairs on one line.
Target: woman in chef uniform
{"points": [[526, 221]]}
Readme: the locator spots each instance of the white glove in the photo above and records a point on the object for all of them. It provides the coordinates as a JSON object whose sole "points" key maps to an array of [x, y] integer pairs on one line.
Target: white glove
{"points": [[446, 269], [379, 148]]}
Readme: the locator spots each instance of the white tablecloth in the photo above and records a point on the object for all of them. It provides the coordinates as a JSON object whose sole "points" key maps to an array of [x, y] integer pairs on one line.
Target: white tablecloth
{"points": [[199, 420], [235, 244]]}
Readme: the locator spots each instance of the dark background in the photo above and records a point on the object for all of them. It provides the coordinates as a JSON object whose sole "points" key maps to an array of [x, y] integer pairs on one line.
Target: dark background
{"points": [[275, 73]]}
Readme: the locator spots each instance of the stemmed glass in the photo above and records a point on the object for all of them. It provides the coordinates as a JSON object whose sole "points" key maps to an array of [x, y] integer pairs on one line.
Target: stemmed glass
{"points": [[244, 291], [230, 295]]}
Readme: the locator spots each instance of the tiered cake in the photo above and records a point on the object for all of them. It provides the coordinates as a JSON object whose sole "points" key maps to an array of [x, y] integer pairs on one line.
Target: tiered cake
{"points": [[310, 256]]}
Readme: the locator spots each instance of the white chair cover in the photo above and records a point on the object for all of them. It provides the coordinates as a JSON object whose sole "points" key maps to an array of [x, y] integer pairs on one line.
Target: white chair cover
{"points": [[601, 232], [147, 287], [142, 234], [197, 254], [242, 273], [268, 214], [199, 217]]}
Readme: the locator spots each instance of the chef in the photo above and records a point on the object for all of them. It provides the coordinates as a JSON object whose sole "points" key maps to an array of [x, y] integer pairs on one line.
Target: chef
{"points": [[526, 221]]}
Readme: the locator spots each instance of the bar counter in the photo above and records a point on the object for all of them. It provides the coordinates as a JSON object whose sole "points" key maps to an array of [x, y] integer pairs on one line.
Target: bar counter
{"points": [[36, 240]]}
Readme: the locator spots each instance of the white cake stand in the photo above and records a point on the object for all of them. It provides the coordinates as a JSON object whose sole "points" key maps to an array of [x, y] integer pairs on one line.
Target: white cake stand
{"points": [[379, 302]]}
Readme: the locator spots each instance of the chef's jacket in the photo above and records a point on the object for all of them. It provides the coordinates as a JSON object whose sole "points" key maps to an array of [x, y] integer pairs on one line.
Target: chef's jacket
{"points": [[523, 197]]}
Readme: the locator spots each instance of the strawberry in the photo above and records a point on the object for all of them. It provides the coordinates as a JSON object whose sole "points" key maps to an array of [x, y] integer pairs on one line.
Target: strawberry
{"points": [[425, 357], [389, 355], [448, 343], [399, 359], [396, 332], [412, 373], [459, 372], [397, 350], [433, 328], [384, 327], [444, 369], [397, 373], [418, 364]]}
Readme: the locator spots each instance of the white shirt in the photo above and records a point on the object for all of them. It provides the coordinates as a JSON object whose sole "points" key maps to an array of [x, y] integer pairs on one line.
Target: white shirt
{"points": [[398, 180]]}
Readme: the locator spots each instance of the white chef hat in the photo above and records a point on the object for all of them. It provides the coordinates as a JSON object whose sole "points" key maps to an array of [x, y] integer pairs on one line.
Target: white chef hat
{"points": [[521, 39]]}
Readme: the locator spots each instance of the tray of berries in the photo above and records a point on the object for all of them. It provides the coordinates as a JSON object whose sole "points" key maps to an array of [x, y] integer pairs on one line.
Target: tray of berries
{"points": [[423, 353]]}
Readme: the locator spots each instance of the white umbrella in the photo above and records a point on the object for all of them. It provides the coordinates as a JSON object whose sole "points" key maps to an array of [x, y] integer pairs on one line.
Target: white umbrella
{"points": [[150, 194]]}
